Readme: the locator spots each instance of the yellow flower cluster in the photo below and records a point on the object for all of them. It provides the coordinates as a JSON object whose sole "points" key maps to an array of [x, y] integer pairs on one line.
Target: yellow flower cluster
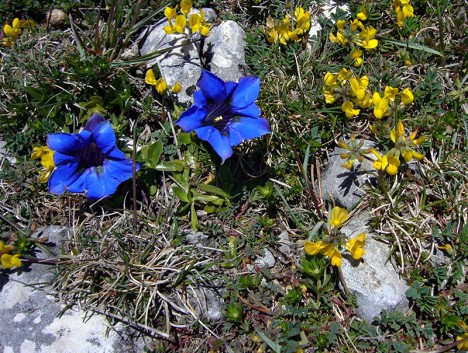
{"points": [[8, 260], [383, 106], [178, 22], [13, 32], [47, 160], [352, 90], [160, 84], [330, 248], [289, 29], [462, 339], [349, 35], [354, 152], [390, 162], [403, 10]]}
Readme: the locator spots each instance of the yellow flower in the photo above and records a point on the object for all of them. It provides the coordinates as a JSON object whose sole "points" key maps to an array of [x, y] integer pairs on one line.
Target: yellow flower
{"points": [[12, 33], [349, 164], [180, 23], [362, 15], [403, 144], [356, 56], [408, 11], [380, 105], [340, 24], [329, 95], [159, 84], [339, 38], [338, 216], [4, 249], [197, 23], [448, 248], [367, 39], [355, 24], [407, 96], [185, 6], [326, 249], [170, 12], [365, 102], [348, 108], [176, 88], [10, 261], [389, 163], [344, 74], [330, 79], [354, 246], [463, 345], [358, 86], [390, 93], [47, 160], [150, 78], [302, 20], [282, 32]]}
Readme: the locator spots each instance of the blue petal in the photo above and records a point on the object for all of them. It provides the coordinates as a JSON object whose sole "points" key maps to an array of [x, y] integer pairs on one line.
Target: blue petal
{"points": [[246, 92], [199, 99], [251, 111], [219, 141], [120, 170], [94, 120], [62, 177], [104, 136], [230, 87], [116, 154], [246, 129], [97, 184], [68, 143], [212, 87], [61, 159], [192, 118], [104, 181]]}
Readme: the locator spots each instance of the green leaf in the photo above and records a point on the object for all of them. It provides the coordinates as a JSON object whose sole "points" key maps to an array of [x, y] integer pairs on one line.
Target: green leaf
{"points": [[193, 217], [180, 194], [213, 190], [171, 166], [410, 45], [273, 345], [185, 138], [154, 153], [207, 198]]}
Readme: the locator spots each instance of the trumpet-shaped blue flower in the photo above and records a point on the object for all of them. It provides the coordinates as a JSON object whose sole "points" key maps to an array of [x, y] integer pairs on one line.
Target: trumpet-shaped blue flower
{"points": [[225, 113], [89, 161]]}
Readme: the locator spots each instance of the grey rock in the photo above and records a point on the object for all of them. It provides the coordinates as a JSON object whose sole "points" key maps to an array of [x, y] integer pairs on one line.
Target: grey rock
{"points": [[342, 185], [33, 314], [285, 242], [207, 303], [224, 50], [265, 261], [180, 61], [182, 58], [375, 283], [4, 154], [198, 239]]}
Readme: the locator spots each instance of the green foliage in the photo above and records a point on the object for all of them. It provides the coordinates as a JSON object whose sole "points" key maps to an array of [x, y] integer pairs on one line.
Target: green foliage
{"points": [[134, 253]]}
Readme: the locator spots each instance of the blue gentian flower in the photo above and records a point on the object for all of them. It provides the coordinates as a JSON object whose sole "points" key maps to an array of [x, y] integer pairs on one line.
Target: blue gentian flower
{"points": [[89, 161], [225, 113]]}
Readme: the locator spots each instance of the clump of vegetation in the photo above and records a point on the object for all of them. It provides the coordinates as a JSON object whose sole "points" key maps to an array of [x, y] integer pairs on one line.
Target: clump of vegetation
{"points": [[169, 203]]}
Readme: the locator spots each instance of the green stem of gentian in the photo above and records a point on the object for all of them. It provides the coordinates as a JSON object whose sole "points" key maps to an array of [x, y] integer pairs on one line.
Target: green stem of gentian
{"points": [[135, 218], [441, 32]]}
